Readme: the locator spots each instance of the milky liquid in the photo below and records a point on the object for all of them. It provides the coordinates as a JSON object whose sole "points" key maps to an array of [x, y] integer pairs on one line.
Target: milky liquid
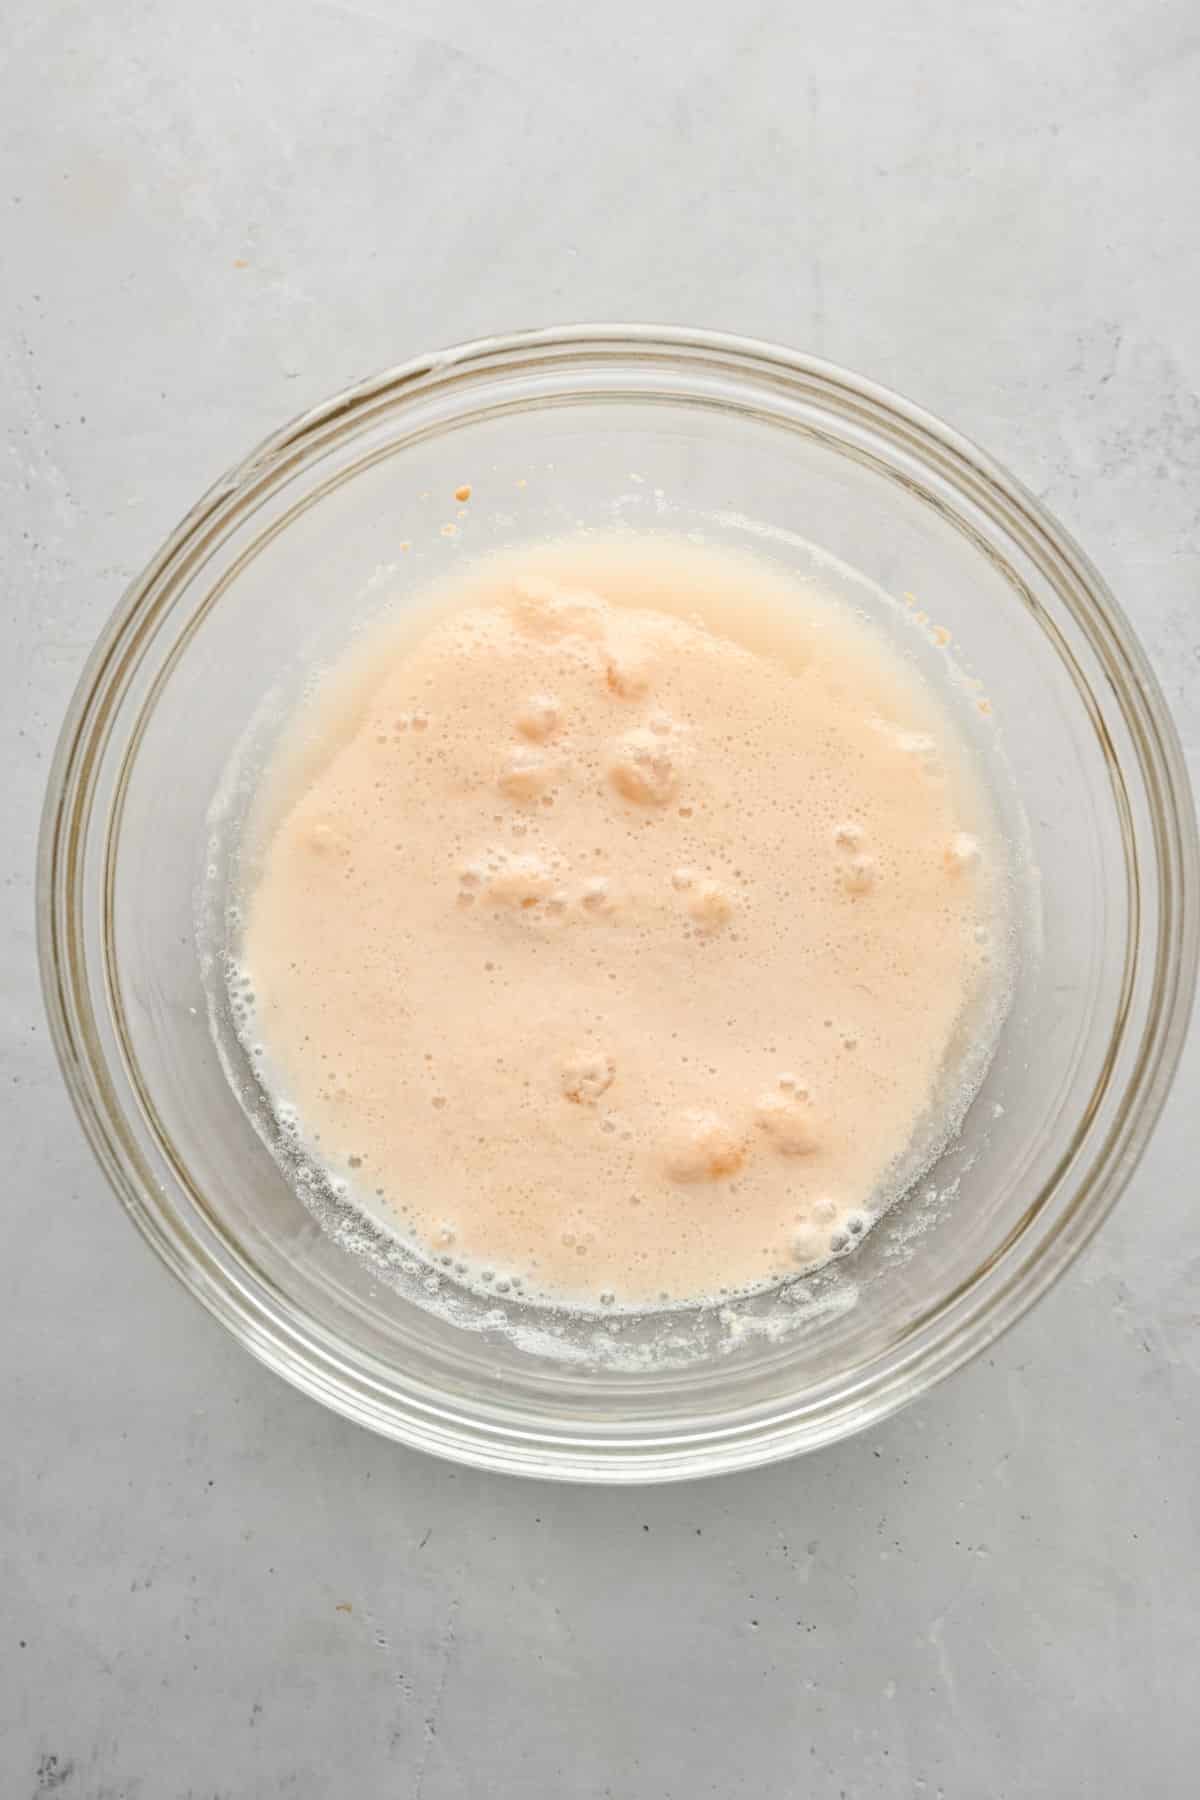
{"points": [[627, 922]]}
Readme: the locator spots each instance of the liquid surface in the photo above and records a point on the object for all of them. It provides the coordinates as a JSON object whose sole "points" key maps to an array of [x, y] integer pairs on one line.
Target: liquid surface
{"points": [[626, 925]]}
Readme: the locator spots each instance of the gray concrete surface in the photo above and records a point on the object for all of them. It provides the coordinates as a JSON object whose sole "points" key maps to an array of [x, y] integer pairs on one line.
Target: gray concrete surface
{"points": [[215, 215]]}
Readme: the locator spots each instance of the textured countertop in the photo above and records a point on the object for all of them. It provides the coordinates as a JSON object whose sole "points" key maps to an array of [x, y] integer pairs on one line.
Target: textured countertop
{"points": [[215, 216]]}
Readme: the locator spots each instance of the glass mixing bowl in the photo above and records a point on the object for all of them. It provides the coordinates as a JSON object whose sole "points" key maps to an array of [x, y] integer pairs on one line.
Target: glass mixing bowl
{"points": [[745, 444]]}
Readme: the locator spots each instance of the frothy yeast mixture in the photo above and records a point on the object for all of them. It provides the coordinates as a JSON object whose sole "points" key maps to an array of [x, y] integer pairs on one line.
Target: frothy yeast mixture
{"points": [[623, 922]]}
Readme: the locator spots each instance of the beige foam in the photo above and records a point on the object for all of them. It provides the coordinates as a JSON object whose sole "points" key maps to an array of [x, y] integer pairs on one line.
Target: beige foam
{"points": [[617, 915]]}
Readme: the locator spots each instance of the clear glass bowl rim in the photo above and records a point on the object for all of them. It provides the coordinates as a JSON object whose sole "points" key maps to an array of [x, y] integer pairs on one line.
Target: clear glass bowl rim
{"points": [[288, 1342]]}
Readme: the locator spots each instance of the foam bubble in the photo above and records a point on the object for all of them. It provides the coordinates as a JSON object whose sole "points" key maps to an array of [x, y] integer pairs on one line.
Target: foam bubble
{"points": [[643, 768], [700, 1145]]}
